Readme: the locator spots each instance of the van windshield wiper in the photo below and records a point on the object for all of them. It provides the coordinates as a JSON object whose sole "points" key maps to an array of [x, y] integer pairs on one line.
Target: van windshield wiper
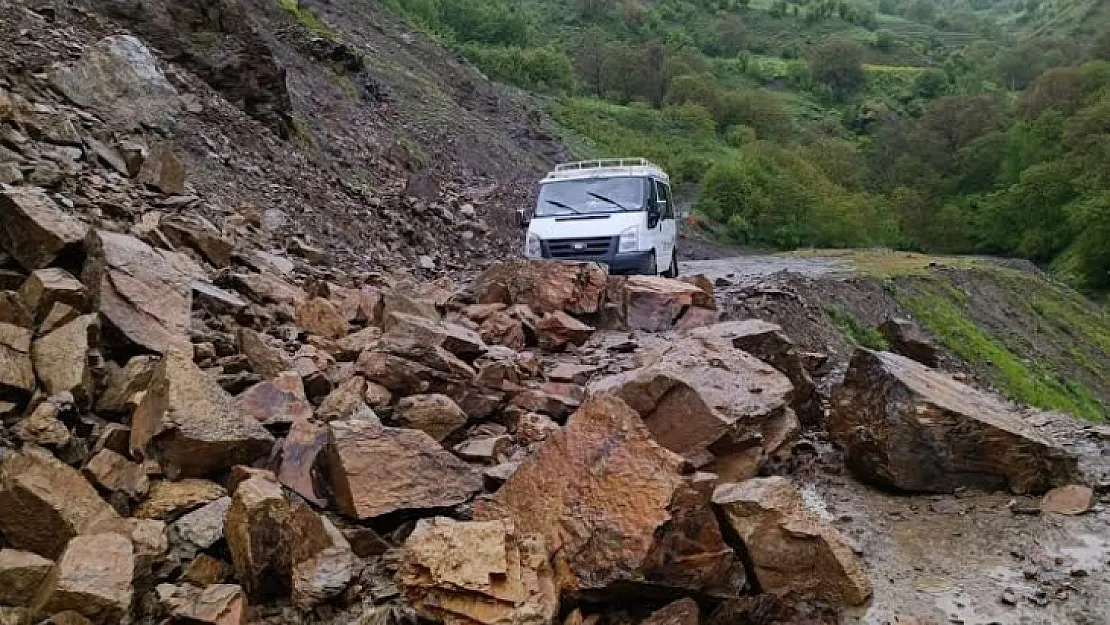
{"points": [[566, 206], [607, 200]]}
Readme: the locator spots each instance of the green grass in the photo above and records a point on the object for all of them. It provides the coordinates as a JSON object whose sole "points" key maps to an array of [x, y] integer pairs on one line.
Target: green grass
{"points": [[305, 17], [855, 331]]}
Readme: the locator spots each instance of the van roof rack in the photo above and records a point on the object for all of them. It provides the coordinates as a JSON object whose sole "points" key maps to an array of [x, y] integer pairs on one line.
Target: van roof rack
{"points": [[600, 163]]}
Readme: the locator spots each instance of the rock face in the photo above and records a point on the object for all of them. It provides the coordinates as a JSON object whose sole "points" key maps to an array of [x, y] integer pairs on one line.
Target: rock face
{"points": [[139, 291], [791, 550], [119, 78], [907, 427], [545, 287], [93, 578], [478, 572], [44, 503], [191, 425], [908, 339], [656, 304], [21, 574], [374, 471], [437, 415], [614, 510], [33, 229]]}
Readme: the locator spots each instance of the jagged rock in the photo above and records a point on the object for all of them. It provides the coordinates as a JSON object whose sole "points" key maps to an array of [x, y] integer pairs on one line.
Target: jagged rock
{"points": [[1070, 500], [417, 369], [119, 79], [275, 402], [163, 170], [44, 502], [488, 449], [206, 571], [792, 551], [365, 542], [69, 617], [908, 339], [148, 540], [11, 615], [535, 428], [259, 536], [406, 301], [478, 573], [140, 292], [557, 330], [681, 612], [907, 427], [204, 526], [47, 286], [114, 473], [637, 522], [545, 287], [61, 358], [93, 578], [456, 339], [10, 173], [324, 565], [265, 288], [43, 427], [346, 402], [320, 317], [265, 359], [169, 500], [700, 395], [421, 475], [300, 449], [34, 230], [191, 425], [217, 604], [437, 415], [21, 574], [656, 304], [17, 373], [216, 300], [501, 328], [311, 253], [123, 384], [350, 347], [359, 305], [114, 436]]}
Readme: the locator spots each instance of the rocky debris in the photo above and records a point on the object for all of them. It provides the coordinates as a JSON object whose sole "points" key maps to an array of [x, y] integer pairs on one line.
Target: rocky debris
{"points": [[21, 575], [61, 358], [124, 386], [17, 374], [455, 339], [44, 287], [265, 359], [120, 79], [320, 317], [907, 427], [504, 329], [93, 578], [545, 287], [164, 171], [656, 304], [535, 428], [908, 339], [258, 532], [681, 612], [1069, 500], [323, 566], [44, 502], [214, 604], [557, 330], [191, 425], [204, 526], [487, 449], [437, 415], [33, 228], [114, 473], [791, 550], [43, 427], [627, 524], [478, 572], [302, 446], [169, 500], [346, 402], [280, 401]]}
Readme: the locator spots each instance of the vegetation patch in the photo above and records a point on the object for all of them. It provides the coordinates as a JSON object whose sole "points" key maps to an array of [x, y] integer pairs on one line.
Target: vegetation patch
{"points": [[306, 18], [855, 331]]}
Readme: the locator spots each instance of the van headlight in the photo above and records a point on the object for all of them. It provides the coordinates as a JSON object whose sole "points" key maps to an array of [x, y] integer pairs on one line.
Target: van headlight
{"points": [[533, 247], [630, 240]]}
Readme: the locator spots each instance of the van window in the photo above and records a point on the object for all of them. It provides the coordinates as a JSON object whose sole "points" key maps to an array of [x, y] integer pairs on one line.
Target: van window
{"points": [[592, 195], [664, 194]]}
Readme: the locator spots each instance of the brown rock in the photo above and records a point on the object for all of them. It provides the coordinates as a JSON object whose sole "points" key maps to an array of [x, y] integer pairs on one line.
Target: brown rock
{"points": [[299, 451], [196, 232], [61, 358], [123, 385], [421, 474], [69, 617], [325, 565], [266, 288], [478, 572], [359, 305], [572, 373], [654, 304], [265, 359], [218, 604], [792, 551], [365, 542], [34, 230], [204, 526], [148, 541], [21, 574], [140, 292], [417, 370], [908, 339], [191, 425], [17, 374], [557, 330], [545, 287], [320, 317], [535, 428], [57, 315], [908, 427], [437, 415], [260, 539], [44, 287], [114, 436], [488, 449], [1070, 500], [205, 570], [456, 339], [93, 578], [114, 473], [681, 612], [348, 348], [614, 509], [168, 500], [275, 402], [43, 427], [501, 328], [377, 396], [44, 502], [163, 170]]}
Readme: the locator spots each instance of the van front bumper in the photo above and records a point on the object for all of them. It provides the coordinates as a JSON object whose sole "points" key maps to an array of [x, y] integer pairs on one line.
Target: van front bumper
{"points": [[631, 263]]}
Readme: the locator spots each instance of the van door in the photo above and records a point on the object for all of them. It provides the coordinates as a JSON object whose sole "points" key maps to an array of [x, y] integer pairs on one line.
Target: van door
{"points": [[668, 228]]}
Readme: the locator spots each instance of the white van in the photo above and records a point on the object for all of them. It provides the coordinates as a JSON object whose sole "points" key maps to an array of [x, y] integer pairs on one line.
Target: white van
{"points": [[614, 211]]}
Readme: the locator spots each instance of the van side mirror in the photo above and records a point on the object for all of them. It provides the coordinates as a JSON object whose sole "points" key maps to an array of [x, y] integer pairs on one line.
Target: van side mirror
{"points": [[522, 217], [654, 213]]}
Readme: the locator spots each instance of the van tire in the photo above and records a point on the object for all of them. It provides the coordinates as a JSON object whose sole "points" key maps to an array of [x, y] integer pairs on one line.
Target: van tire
{"points": [[673, 271]]}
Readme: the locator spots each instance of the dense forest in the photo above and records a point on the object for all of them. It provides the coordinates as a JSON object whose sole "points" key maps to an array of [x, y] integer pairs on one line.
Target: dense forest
{"points": [[955, 126]]}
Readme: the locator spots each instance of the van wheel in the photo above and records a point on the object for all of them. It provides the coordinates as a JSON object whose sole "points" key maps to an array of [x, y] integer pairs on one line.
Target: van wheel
{"points": [[673, 271]]}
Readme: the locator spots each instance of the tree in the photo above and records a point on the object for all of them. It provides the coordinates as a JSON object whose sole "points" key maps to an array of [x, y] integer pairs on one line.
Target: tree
{"points": [[760, 109], [1060, 88], [884, 40], [838, 64], [729, 36], [924, 11], [589, 60], [1100, 48]]}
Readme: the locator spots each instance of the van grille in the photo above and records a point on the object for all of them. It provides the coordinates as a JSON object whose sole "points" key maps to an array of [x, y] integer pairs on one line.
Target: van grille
{"points": [[579, 248]]}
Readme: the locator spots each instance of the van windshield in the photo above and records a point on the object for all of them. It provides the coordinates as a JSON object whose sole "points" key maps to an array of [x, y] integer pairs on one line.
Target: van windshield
{"points": [[591, 196]]}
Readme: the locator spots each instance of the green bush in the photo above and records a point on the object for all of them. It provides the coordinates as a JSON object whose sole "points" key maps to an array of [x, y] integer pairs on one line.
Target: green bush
{"points": [[538, 69]]}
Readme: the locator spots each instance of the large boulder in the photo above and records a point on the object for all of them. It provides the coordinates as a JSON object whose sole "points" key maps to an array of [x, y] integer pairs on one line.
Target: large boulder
{"points": [[436, 415], [191, 425], [906, 427], [324, 564], [34, 230], [545, 287], [484, 573], [260, 538], [303, 444], [93, 577], [17, 374], [656, 304], [216, 604], [615, 510], [907, 338], [280, 401], [320, 317], [460, 341], [791, 550], [61, 358], [374, 471], [21, 574]]}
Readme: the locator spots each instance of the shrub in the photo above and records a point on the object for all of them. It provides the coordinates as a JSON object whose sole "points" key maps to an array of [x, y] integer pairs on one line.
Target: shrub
{"points": [[537, 69]]}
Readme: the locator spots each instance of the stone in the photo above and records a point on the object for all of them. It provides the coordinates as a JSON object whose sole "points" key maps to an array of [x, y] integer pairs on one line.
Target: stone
{"points": [[323, 566], [166, 501], [280, 401], [459, 341], [17, 373], [205, 571], [265, 359], [259, 536], [109, 156], [69, 617], [163, 170], [93, 578], [61, 358], [123, 385], [681, 612], [266, 288], [299, 451], [320, 317], [346, 402], [44, 502], [437, 415], [21, 575], [114, 436], [654, 304], [374, 471], [57, 315], [140, 292], [34, 230], [904, 426], [119, 79], [114, 473], [203, 527], [215, 300], [487, 449], [477, 572], [615, 510], [350, 347], [793, 553], [191, 425], [406, 301], [47, 286], [365, 542], [414, 370], [545, 287], [557, 330], [215, 604], [148, 540], [501, 328], [1069, 500], [43, 427], [10, 173], [908, 339], [535, 428]]}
